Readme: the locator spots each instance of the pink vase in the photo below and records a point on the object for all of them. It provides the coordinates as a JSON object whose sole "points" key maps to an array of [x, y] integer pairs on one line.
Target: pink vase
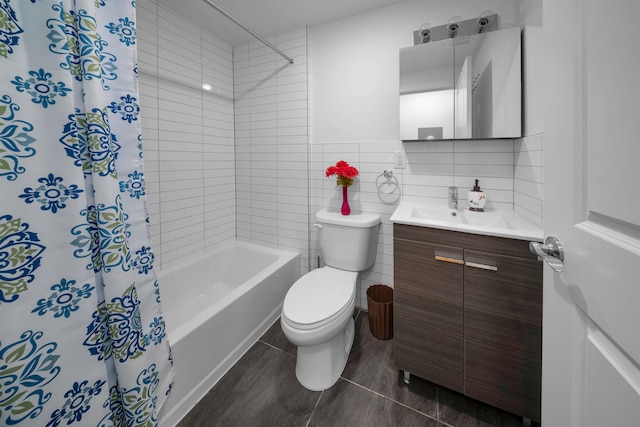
{"points": [[346, 210]]}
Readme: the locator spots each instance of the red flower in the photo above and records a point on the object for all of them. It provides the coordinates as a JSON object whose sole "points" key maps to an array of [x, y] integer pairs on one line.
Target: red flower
{"points": [[344, 171]]}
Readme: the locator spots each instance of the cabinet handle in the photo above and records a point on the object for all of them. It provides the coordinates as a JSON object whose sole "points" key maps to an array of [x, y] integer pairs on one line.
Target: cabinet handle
{"points": [[447, 259], [481, 266]]}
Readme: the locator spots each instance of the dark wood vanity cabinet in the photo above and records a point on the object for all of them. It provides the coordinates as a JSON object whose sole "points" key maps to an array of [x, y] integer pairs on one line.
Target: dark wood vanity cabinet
{"points": [[428, 312], [468, 315], [503, 332]]}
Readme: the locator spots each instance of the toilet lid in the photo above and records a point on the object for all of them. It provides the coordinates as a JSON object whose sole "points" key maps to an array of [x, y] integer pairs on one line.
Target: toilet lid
{"points": [[319, 295]]}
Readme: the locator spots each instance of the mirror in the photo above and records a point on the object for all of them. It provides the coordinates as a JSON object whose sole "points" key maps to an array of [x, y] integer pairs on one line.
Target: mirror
{"points": [[462, 88]]}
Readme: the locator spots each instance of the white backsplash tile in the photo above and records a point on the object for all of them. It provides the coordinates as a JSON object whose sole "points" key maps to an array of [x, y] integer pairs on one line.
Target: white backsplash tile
{"points": [[529, 179]]}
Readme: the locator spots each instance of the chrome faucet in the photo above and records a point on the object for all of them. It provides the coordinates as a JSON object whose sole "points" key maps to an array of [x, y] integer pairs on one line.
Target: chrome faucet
{"points": [[453, 197]]}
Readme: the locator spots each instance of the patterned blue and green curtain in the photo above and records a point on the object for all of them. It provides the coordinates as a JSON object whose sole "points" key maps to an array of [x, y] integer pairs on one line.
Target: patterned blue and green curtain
{"points": [[82, 338]]}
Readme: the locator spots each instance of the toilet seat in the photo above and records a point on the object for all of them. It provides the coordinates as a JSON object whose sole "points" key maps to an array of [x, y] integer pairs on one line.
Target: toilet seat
{"points": [[319, 297]]}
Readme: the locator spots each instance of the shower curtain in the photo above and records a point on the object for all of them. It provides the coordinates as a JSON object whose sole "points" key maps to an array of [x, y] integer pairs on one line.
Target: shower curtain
{"points": [[82, 337]]}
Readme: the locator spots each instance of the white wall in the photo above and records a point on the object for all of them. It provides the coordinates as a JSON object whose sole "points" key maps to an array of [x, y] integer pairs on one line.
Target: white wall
{"points": [[187, 134], [529, 167]]}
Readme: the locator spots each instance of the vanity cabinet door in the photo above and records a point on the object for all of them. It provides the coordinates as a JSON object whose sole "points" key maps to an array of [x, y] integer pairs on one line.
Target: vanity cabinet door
{"points": [[428, 313], [503, 331]]}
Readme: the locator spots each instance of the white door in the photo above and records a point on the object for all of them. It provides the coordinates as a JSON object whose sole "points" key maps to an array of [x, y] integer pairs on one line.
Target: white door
{"points": [[591, 320]]}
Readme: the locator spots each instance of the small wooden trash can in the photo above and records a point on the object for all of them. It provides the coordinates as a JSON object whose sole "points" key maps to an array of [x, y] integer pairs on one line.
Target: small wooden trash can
{"points": [[380, 306]]}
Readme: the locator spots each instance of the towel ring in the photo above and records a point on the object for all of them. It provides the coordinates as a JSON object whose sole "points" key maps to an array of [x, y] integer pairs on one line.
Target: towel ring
{"points": [[388, 174]]}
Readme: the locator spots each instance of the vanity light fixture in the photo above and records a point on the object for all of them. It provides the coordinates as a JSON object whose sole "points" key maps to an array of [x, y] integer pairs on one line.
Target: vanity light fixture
{"points": [[456, 27]]}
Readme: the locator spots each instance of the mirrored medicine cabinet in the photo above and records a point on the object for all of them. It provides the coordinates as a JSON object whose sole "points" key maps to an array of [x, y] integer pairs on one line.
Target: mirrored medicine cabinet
{"points": [[462, 88]]}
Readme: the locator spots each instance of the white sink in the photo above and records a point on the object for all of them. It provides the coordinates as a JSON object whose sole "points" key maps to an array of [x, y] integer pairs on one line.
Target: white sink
{"points": [[491, 222], [483, 219], [436, 213]]}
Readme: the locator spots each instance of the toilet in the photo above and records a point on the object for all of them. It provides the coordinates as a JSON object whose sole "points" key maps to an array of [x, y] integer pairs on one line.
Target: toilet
{"points": [[317, 314]]}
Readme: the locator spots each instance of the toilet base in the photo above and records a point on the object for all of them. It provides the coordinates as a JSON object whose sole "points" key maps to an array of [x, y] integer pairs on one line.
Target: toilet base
{"points": [[318, 367]]}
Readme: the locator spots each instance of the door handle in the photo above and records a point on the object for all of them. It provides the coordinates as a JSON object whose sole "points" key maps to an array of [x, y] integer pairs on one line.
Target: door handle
{"points": [[552, 252]]}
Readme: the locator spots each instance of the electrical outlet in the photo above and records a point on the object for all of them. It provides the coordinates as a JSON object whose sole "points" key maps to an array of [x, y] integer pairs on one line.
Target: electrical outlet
{"points": [[398, 160]]}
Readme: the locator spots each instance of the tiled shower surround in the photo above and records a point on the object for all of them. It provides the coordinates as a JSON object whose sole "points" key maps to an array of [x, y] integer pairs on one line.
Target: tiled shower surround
{"points": [[187, 133], [239, 160], [271, 141]]}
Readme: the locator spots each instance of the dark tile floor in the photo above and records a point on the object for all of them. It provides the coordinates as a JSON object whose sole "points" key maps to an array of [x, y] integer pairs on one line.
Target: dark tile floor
{"points": [[262, 390]]}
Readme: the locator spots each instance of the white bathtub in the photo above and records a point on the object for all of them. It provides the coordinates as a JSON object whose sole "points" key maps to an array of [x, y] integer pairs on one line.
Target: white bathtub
{"points": [[215, 308]]}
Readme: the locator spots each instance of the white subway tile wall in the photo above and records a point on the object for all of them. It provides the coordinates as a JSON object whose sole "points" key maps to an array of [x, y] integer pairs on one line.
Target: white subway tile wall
{"points": [[529, 178], [271, 137], [188, 134]]}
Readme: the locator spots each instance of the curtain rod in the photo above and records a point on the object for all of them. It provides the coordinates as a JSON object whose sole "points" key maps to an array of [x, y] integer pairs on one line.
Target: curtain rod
{"points": [[249, 30]]}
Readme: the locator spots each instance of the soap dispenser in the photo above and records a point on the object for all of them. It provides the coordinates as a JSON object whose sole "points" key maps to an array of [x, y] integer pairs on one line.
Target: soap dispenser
{"points": [[476, 198]]}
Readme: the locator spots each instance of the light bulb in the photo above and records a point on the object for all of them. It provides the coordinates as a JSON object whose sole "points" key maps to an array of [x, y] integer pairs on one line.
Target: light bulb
{"points": [[485, 19], [455, 20], [425, 32], [454, 24]]}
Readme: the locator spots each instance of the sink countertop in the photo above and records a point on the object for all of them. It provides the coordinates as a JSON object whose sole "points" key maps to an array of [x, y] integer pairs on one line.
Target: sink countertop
{"points": [[492, 222]]}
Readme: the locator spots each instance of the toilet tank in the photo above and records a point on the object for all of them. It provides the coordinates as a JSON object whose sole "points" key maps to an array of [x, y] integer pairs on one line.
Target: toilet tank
{"points": [[348, 242]]}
